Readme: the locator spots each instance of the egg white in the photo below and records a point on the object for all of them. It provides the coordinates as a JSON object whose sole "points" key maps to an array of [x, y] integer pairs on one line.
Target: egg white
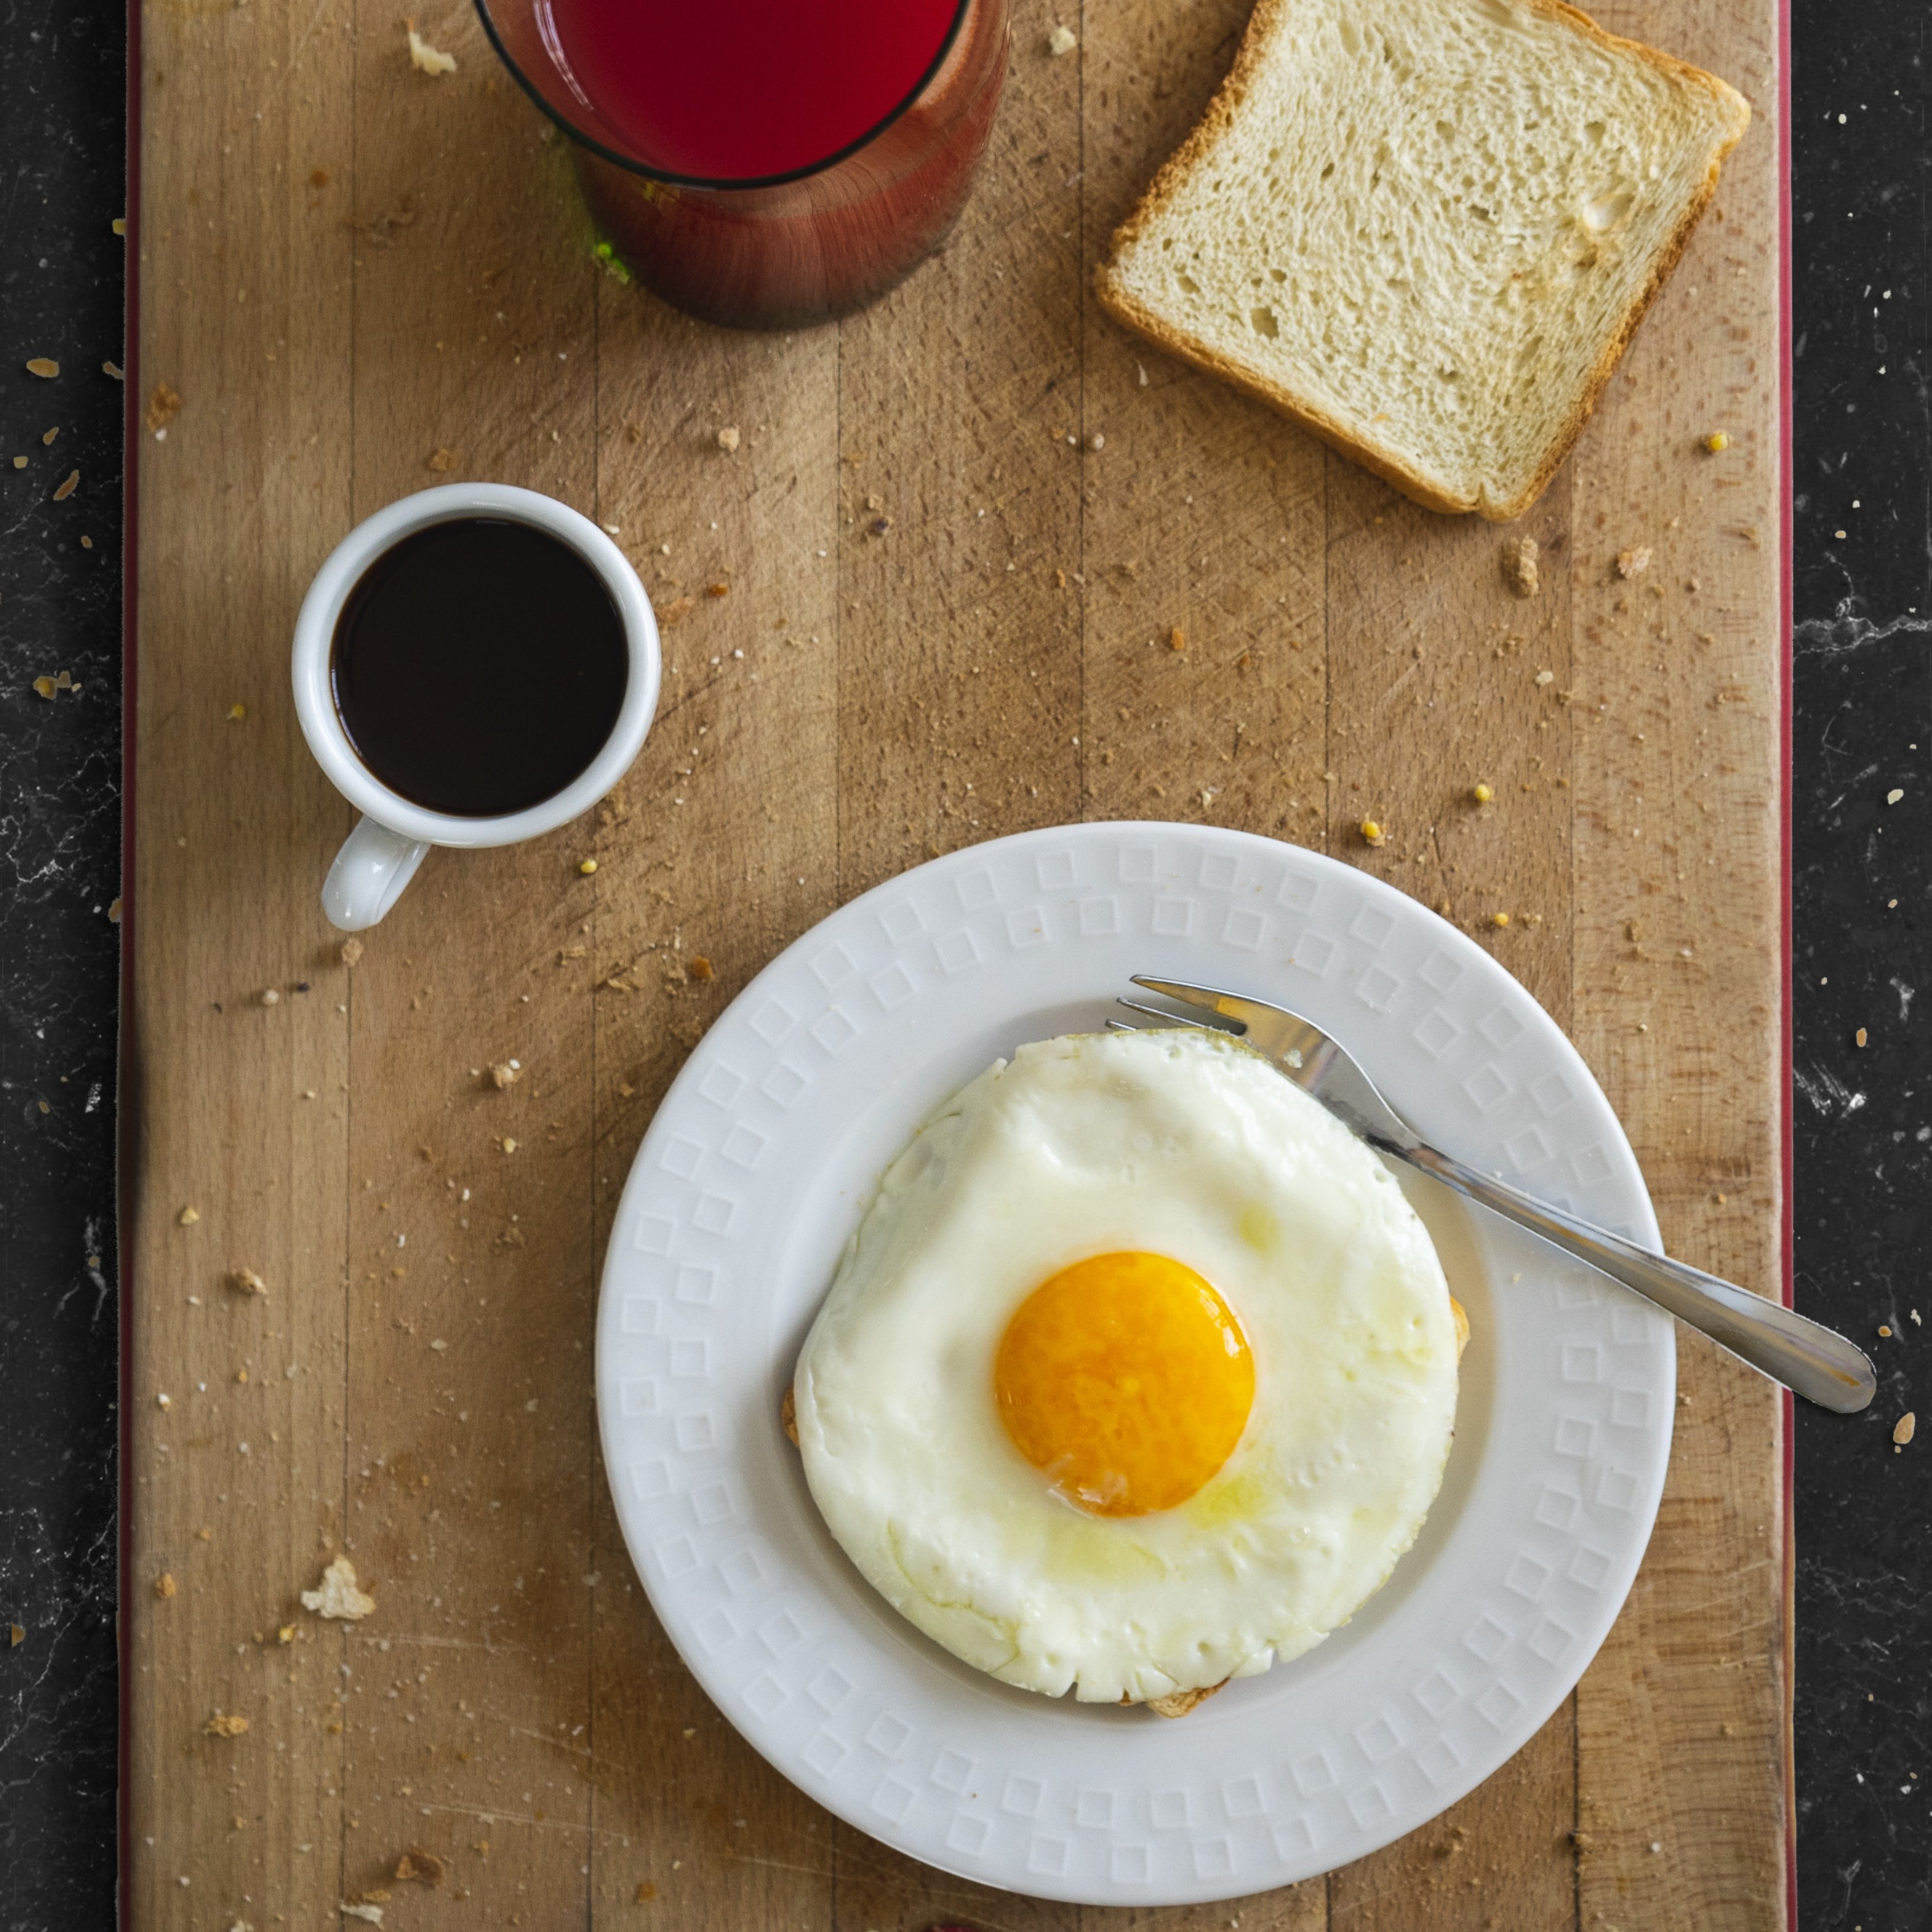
{"points": [[1175, 1143]]}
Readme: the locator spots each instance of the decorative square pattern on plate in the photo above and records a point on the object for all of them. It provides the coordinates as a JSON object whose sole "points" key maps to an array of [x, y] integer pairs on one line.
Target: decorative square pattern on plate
{"points": [[889, 1736], [722, 1086], [799, 1094], [1095, 1810], [1313, 952], [902, 921], [1501, 1026], [1378, 1737], [832, 967], [1487, 1086], [1214, 1858], [1487, 1638], [1046, 1858], [696, 1287], [1298, 891], [835, 1030], [892, 1799], [1243, 1797], [1630, 1408], [830, 1689], [1054, 871], [1244, 927], [1528, 1577], [967, 1834], [714, 1213], [958, 950], [1171, 1811], [1023, 1796], [894, 985], [976, 889], [1582, 1362], [681, 1156], [773, 1021], [1377, 989]]}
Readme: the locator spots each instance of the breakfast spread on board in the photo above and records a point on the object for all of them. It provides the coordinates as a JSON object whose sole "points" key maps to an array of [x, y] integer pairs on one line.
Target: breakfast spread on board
{"points": [[1139, 1373]]}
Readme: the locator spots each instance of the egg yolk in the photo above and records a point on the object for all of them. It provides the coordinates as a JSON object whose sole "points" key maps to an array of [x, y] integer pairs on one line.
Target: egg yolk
{"points": [[1127, 1380]]}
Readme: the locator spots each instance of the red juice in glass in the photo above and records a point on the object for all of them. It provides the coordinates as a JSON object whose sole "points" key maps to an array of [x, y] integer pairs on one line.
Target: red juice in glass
{"points": [[765, 163]]}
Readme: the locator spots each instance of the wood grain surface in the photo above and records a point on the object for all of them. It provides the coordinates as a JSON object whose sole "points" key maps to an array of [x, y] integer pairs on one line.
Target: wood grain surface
{"points": [[361, 280]]}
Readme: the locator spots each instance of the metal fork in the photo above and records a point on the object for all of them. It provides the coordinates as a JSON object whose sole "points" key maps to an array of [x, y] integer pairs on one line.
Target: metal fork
{"points": [[1821, 1365]]}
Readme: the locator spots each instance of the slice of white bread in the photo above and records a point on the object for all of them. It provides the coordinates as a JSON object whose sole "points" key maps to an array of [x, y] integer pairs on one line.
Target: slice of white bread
{"points": [[1427, 229]]}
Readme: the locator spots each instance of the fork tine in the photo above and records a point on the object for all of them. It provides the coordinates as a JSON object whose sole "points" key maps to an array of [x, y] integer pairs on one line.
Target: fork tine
{"points": [[1227, 1005], [1165, 1019], [1123, 1026], [1223, 1005]]}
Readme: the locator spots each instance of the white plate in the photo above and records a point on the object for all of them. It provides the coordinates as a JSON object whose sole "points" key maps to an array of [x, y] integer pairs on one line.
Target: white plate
{"points": [[757, 1168]]}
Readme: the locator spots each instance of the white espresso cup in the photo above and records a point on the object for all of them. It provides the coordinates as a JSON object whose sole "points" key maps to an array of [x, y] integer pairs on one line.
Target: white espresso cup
{"points": [[390, 841]]}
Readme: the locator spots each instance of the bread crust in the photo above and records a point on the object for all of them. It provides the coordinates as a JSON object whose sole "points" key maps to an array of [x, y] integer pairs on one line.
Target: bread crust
{"points": [[1218, 122]]}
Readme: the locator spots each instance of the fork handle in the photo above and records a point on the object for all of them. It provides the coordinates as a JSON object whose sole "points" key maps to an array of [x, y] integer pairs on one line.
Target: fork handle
{"points": [[1816, 1362]]}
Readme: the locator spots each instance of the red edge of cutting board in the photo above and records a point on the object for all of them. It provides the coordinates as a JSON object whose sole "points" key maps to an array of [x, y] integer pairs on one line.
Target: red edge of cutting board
{"points": [[130, 360], [1787, 1271]]}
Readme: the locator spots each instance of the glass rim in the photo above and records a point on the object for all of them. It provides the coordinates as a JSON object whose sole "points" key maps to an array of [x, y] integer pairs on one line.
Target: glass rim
{"points": [[670, 179]]}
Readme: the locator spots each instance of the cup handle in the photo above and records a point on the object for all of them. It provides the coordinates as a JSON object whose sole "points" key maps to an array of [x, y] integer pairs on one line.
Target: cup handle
{"points": [[369, 874]]}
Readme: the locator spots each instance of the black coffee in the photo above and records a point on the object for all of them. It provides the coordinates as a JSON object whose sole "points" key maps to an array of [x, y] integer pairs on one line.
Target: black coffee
{"points": [[479, 666]]}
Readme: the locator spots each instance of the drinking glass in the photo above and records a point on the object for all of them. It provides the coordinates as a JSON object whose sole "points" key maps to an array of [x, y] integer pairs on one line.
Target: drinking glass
{"points": [[765, 163]]}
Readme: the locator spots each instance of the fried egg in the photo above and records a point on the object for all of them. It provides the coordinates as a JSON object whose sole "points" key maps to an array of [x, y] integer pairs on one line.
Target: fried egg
{"points": [[1138, 1374]]}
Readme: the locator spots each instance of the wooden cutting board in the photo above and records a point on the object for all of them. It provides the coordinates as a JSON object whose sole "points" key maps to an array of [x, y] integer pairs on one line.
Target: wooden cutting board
{"points": [[358, 280]]}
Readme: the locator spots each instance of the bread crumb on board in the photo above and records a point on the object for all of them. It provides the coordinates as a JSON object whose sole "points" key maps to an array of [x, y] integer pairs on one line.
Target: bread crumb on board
{"points": [[246, 1281], [165, 1586], [337, 1594], [349, 951], [224, 1726], [425, 57], [1634, 561], [727, 440], [1519, 570], [1062, 40], [418, 1866]]}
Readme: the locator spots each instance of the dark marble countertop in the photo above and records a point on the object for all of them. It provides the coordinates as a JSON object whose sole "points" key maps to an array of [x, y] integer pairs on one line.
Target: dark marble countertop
{"points": [[1862, 879]]}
